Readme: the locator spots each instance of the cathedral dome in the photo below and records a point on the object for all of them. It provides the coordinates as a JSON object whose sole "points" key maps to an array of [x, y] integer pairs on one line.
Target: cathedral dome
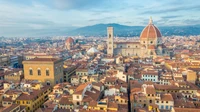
{"points": [[150, 31], [69, 40]]}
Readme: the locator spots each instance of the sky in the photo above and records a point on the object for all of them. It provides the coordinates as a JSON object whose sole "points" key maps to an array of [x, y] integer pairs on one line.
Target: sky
{"points": [[31, 17]]}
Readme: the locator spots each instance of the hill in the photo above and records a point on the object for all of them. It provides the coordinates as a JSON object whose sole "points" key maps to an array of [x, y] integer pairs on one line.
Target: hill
{"points": [[130, 31]]}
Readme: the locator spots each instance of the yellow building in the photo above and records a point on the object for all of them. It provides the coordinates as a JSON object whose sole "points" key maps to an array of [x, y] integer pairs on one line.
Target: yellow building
{"points": [[34, 98], [49, 71], [191, 76]]}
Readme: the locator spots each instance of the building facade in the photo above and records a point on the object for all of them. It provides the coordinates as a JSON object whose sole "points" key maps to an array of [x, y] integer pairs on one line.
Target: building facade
{"points": [[47, 70], [150, 44]]}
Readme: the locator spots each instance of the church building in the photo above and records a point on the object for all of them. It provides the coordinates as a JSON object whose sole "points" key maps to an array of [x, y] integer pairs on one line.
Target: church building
{"points": [[149, 46]]}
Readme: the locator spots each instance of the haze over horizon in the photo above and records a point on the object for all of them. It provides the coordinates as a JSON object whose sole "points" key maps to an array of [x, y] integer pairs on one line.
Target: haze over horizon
{"points": [[30, 17]]}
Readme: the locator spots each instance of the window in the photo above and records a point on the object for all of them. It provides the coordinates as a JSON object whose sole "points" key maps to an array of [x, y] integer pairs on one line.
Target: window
{"points": [[128, 46], [143, 41], [48, 83], [120, 46], [47, 72], [157, 101], [151, 53], [109, 35], [166, 101], [39, 72], [30, 72], [77, 97], [151, 42]]}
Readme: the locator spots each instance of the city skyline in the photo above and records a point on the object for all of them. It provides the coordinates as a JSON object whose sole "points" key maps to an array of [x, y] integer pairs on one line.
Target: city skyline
{"points": [[19, 17]]}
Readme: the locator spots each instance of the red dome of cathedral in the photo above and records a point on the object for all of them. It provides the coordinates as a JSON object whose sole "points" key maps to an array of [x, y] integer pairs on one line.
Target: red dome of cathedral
{"points": [[150, 31], [69, 40]]}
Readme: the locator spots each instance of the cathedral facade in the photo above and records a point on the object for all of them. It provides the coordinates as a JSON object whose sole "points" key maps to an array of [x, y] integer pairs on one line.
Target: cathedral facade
{"points": [[150, 44]]}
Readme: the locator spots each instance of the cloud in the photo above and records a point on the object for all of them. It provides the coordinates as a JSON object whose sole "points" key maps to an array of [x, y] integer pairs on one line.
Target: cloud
{"points": [[191, 21], [77, 4], [20, 17], [169, 17], [156, 10]]}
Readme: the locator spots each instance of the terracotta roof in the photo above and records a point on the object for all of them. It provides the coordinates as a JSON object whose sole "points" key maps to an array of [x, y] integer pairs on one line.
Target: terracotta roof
{"points": [[112, 105], [80, 88], [186, 109], [166, 97], [70, 40], [44, 59], [150, 31], [33, 95], [150, 90], [65, 101], [92, 104]]}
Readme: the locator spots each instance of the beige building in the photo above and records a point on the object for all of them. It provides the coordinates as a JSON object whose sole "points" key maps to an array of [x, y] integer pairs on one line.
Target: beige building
{"points": [[150, 43], [191, 76], [4, 61], [47, 70]]}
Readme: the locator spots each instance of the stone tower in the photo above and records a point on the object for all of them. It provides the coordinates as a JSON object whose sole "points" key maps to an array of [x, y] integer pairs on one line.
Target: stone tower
{"points": [[110, 41]]}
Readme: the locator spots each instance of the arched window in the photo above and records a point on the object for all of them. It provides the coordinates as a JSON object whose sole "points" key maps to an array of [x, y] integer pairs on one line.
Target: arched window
{"points": [[30, 71], [48, 83], [39, 71], [109, 35], [47, 72]]}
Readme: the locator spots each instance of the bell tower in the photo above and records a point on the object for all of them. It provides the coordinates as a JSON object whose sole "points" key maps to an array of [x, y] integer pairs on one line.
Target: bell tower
{"points": [[110, 41]]}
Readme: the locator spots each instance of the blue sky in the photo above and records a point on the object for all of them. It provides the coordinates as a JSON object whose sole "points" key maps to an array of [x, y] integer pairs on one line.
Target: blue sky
{"points": [[26, 17]]}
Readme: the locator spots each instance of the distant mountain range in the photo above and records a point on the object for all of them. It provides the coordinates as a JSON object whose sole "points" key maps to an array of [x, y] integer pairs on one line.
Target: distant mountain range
{"points": [[130, 31]]}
